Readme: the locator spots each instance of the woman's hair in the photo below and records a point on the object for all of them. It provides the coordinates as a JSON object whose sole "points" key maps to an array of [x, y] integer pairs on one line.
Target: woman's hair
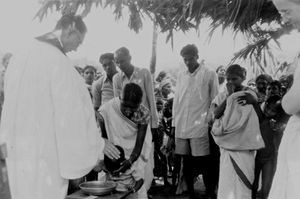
{"points": [[237, 70], [113, 165], [132, 94], [89, 67]]}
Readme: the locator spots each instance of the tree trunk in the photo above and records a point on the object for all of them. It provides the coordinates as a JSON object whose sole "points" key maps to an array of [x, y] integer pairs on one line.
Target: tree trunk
{"points": [[154, 50]]}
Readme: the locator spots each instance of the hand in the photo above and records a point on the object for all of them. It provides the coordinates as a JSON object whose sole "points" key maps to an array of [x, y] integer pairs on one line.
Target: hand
{"points": [[245, 99], [125, 165], [172, 132], [100, 166], [230, 88], [170, 144], [110, 150]]}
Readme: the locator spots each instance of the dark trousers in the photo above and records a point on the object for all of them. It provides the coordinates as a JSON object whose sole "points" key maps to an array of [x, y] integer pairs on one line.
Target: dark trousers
{"points": [[193, 166]]}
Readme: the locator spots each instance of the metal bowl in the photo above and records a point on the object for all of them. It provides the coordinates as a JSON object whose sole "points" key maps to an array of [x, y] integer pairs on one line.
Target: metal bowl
{"points": [[97, 188]]}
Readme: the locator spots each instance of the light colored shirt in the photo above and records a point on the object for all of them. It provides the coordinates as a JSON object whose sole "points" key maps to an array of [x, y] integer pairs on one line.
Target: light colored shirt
{"points": [[102, 91], [142, 77], [193, 96]]}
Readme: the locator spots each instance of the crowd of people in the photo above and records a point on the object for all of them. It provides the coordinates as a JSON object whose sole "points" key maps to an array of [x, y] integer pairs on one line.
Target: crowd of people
{"points": [[203, 122], [61, 125]]}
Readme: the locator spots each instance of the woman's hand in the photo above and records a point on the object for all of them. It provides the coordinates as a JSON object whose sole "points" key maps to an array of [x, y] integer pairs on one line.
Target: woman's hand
{"points": [[245, 99], [110, 150]]}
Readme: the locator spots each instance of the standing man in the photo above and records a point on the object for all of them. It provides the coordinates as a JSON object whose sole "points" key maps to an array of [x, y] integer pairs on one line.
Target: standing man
{"points": [[48, 121], [102, 89], [142, 77], [195, 90]]}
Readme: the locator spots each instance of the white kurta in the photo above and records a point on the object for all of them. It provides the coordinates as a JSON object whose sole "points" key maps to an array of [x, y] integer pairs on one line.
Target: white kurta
{"points": [[48, 124]]}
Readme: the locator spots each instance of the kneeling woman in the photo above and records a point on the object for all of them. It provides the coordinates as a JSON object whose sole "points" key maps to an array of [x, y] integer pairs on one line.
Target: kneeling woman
{"points": [[125, 123]]}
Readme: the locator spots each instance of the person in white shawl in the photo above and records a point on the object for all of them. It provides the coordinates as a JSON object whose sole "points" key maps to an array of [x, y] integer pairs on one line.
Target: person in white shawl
{"points": [[287, 176], [125, 123], [236, 131], [48, 121]]}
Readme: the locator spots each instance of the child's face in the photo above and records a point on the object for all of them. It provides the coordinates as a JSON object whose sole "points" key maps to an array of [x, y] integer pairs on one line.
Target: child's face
{"points": [[234, 79], [272, 90], [89, 75], [261, 85]]}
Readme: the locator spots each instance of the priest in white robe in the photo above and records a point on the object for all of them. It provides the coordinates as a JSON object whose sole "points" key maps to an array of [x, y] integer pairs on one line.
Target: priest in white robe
{"points": [[48, 121]]}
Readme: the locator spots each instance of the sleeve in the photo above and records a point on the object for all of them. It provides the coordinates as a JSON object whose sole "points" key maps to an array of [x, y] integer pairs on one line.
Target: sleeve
{"points": [[117, 85], [213, 86], [151, 99], [96, 92], [143, 116], [290, 101], [175, 101], [78, 141]]}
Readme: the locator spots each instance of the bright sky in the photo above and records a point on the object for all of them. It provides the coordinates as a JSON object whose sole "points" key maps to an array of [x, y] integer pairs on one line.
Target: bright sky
{"points": [[106, 35]]}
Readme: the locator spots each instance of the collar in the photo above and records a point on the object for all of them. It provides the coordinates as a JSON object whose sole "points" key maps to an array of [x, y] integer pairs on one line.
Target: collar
{"points": [[105, 77], [51, 39], [196, 71], [135, 69]]}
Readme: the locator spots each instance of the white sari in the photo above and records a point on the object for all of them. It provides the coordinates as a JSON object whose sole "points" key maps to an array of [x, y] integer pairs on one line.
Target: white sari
{"points": [[122, 131]]}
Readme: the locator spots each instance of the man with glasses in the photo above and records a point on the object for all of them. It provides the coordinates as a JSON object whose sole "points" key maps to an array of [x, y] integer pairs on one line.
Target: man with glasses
{"points": [[48, 121], [102, 89]]}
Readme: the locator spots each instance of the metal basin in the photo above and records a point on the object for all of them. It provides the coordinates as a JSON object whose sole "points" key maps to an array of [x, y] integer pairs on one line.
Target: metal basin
{"points": [[97, 188]]}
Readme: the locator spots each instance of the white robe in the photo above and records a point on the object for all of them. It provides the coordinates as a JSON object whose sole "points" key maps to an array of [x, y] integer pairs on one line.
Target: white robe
{"points": [[287, 177], [48, 124]]}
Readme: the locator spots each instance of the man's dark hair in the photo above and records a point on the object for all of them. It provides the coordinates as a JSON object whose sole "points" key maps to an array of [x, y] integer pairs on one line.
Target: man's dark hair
{"points": [[132, 93], [275, 83], [237, 70], [70, 19], [123, 51], [266, 77], [109, 56], [189, 49], [91, 67]]}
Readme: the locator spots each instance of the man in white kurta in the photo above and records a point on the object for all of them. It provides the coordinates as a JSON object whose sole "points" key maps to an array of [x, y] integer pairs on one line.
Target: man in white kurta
{"points": [[195, 89], [48, 121]]}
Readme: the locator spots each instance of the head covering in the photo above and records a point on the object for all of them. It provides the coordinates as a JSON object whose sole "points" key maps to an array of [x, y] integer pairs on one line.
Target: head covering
{"points": [[165, 82]]}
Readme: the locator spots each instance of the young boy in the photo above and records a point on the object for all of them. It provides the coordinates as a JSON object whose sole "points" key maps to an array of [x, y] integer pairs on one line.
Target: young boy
{"points": [[236, 131], [265, 157]]}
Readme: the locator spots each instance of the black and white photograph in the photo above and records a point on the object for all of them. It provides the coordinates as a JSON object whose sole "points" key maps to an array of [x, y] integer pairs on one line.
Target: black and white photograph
{"points": [[149, 99]]}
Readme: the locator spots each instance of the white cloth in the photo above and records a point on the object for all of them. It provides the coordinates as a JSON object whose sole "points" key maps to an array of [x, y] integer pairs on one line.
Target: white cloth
{"points": [[238, 135], [122, 131], [193, 96], [287, 177], [48, 124], [230, 184], [238, 128]]}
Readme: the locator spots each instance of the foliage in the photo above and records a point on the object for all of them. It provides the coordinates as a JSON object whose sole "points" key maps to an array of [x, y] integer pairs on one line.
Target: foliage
{"points": [[246, 16]]}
